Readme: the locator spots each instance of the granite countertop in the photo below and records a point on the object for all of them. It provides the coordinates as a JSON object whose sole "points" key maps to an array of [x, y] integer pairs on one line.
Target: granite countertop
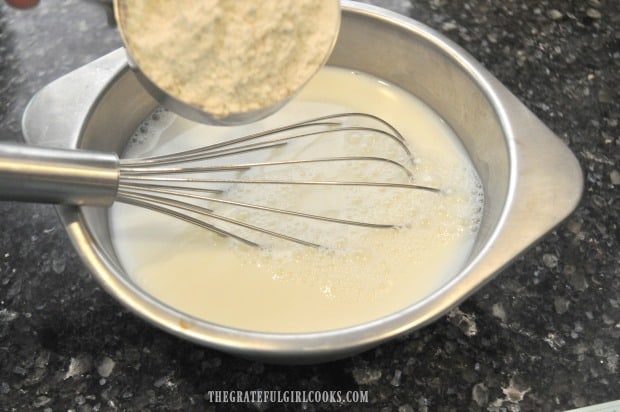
{"points": [[542, 336]]}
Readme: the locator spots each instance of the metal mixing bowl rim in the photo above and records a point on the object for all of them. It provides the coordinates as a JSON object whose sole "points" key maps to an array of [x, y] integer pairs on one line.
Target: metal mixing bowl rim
{"points": [[526, 179]]}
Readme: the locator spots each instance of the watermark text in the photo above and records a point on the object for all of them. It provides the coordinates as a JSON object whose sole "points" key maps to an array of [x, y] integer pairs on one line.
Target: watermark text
{"points": [[265, 396]]}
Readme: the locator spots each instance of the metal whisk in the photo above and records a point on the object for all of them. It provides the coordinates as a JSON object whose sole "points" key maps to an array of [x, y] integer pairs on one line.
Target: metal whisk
{"points": [[170, 183]]}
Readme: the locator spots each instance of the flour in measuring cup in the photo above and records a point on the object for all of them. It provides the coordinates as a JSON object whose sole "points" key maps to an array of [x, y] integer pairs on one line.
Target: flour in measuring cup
{"points": [[226, 56]]}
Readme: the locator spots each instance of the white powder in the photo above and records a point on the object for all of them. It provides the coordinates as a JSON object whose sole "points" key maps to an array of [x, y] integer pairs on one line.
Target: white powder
{"points": [[229, 56]]}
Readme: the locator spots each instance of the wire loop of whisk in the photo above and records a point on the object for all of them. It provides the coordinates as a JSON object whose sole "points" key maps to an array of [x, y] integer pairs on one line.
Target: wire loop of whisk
{"points": [[168, 183]]}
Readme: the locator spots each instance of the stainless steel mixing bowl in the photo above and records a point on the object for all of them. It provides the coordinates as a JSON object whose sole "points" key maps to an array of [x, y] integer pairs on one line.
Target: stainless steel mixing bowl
{"points": [[531, 180]]}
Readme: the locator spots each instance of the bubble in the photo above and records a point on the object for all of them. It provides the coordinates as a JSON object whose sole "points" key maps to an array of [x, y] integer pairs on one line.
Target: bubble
{"points": [[146, 136]]}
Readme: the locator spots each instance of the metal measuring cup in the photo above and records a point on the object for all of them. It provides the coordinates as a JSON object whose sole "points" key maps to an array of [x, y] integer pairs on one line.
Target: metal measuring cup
{"points": [[191, 111]]}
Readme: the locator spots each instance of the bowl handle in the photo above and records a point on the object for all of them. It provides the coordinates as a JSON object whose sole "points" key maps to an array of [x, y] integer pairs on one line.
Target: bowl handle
{"points": [[549, 187]]}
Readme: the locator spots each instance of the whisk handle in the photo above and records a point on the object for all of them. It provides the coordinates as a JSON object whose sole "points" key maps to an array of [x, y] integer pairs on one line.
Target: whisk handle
{"points": [[57, 176]]}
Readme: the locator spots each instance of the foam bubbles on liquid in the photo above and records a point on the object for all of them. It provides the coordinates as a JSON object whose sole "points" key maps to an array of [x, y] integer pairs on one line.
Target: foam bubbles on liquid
{"points": [[147, 135]]}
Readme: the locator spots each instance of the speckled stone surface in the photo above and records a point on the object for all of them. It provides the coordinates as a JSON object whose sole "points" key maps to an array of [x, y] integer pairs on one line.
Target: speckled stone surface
{"points": [[543, 336]]}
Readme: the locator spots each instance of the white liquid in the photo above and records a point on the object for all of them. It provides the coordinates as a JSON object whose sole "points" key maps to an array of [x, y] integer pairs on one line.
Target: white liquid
{"points": [[365, 273]]}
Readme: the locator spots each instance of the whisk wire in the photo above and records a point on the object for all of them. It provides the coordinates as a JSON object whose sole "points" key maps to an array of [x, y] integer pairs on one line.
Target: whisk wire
{"points": [[200, 153], [157, 203], [157, 184], [246, 166]]}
